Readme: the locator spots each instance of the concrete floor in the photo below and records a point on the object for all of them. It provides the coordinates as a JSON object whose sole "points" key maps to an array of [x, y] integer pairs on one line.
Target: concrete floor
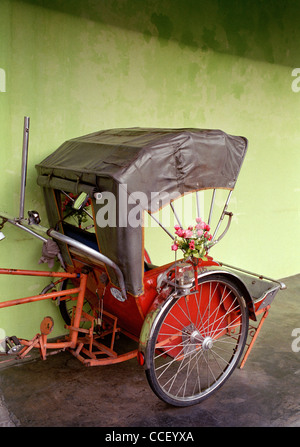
{"points": [[61, 392]]}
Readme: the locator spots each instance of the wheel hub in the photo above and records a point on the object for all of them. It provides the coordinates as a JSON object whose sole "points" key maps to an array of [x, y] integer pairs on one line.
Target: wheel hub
{"points": [[192, 337], [207, 343]]}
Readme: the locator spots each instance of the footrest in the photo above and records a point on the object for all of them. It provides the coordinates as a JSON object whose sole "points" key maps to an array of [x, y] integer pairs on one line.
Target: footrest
{"points": [[13, 345]]}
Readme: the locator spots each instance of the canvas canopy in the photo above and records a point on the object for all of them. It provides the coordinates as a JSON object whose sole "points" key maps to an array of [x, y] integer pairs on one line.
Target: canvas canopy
{"points": [[139, 161]]}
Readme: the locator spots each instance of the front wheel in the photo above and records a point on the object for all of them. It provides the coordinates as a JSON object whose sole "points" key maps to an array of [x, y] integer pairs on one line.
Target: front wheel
{"points": [[197, 341]]}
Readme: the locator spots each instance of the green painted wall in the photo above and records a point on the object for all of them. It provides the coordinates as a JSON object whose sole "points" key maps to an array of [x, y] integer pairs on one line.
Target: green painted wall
{"points": [[79, 66]]}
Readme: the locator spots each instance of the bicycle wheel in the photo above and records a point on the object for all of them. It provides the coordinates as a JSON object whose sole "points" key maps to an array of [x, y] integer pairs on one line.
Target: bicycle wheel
{"points": [[66, 306], [197, 341]]}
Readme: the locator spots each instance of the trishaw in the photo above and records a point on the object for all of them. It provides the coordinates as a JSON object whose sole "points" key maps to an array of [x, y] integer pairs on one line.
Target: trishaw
{"points": [[189, 318]]}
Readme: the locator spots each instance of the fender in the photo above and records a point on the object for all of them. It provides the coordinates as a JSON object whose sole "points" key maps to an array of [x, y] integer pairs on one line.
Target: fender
{"points": [[160, 301], [168, 293], [243, 287], [257, 290]]}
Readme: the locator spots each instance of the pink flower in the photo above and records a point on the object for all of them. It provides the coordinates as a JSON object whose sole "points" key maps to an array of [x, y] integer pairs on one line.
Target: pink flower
{"points": [[174, 247], [199, 233], [180, 232], [192, 245], [188, 234], [200, 226], [177, 227], [208, 236]]}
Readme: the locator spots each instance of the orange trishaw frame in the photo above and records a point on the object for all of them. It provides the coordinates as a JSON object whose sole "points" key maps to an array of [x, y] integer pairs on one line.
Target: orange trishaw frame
{"points": [[78, 337], [151, 307]]}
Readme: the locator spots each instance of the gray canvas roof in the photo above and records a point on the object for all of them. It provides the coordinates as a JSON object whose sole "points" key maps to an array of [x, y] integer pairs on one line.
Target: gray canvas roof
{"points": [[148, 160], [174, 161]]}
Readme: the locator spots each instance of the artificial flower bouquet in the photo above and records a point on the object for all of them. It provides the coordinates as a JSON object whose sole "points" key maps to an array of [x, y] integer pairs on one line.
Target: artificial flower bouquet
{"points": [[194, 240]]}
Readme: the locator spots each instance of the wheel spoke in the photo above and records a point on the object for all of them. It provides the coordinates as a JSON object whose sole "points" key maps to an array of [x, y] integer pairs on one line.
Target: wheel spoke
{"points": [[197, 342]]}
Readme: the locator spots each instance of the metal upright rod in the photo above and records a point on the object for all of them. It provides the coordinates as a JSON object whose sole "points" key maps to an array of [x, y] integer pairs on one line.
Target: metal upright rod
{"points": [[211, 206], [24, 165], [162, 226], [198, 204], [222, 215], [175, 214]]}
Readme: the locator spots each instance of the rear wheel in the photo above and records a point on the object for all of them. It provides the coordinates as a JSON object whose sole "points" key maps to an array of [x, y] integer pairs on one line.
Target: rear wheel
{"points": [[197, 342], [66, 306]]}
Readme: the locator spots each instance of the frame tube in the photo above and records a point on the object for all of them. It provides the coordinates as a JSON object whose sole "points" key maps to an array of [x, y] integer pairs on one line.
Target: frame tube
{"points": [[24, 165], [89, 251], [175, 214], [198, 204], [161, 225], [211, 206], [222, 215], [39, 231]]}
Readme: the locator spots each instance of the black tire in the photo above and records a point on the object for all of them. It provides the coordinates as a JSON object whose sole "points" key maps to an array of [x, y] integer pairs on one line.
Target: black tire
{"points": [[66, 306], [63, 304], [201, 338]]}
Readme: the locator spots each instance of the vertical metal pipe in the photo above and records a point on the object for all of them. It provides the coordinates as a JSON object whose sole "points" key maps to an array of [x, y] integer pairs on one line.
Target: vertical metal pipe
{"points": [[222, 215], [211, 206], [78, 311], [24, 165], [198, 204], [175, 214]]}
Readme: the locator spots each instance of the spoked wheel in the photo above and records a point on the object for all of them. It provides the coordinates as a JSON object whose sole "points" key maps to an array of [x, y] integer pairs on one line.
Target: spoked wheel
{"points": [[197, 342], [66, 306]]}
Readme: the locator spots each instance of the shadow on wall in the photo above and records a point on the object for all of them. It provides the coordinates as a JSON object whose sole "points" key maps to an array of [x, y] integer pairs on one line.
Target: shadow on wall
{"points": [[264, 31]]}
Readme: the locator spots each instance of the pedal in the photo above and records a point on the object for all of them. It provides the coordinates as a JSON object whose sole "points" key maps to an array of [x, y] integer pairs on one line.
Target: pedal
{"points": [[13, 345]]}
